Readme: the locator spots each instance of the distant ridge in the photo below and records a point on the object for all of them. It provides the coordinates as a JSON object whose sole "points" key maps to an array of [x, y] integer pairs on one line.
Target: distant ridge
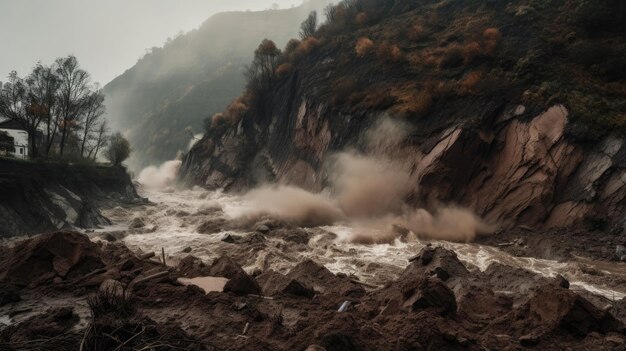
{"points": [[192, 77]]}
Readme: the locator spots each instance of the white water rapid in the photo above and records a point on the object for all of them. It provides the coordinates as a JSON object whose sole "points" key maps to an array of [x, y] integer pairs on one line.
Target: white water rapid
{"points": [[171, 223]]}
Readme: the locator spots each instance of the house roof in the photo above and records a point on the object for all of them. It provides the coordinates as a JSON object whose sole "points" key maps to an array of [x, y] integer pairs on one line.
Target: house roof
{"points": [[10, 124]]}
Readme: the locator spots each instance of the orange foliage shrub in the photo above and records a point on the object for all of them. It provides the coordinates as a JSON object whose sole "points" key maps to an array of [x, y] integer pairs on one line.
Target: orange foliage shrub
{"points": [[363, 46], [306, 46], [491, 37], [416, 32], [468, 84], [233, 114], [378, 99], [470, 52], [389, 52], [361, 19], [283, 69], [413, 102], [217, 119]]}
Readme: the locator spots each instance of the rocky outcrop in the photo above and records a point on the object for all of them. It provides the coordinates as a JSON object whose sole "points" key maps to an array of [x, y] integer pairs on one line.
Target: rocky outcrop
{"points": [[515, 168], [501, 131], [39, 197]]}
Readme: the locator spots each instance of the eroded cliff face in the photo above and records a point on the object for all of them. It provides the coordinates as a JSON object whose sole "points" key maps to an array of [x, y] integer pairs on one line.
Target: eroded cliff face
{"points": [[489, 119], [40, 197], [516, 166]]}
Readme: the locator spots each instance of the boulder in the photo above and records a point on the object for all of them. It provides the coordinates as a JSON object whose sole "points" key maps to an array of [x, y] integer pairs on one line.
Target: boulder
{"points": [[552, 307], [225, 267], [430, 294], [230, 238], [436, 261], [137, 223], [192, 267], [273, 283], [262, 228], [319, 278], [212, 226], [242, 284], [39, 260]]}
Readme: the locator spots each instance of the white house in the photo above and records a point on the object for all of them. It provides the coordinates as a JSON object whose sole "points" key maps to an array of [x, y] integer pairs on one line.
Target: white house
{"points": [[19, 135]]}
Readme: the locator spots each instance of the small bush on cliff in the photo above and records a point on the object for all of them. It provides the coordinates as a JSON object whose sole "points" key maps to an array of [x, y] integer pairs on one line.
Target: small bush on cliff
{"points": [[491, 37], [363, 47], [389, 53], [119, 149]]}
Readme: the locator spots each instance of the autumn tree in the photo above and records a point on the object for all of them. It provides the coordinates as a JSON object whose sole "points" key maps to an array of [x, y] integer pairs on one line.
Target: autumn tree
{"points": [[56, 102], [260, 73], [307, 28]]}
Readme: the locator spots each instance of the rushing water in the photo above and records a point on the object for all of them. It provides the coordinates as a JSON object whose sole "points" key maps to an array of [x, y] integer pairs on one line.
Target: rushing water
{"points": [[172, 221]]}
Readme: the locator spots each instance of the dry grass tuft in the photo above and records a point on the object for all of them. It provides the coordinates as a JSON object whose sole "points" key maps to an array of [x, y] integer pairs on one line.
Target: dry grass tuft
{"points": [[467, 85], [387, 52], [416, 32], [470, 52], [361, 19]]}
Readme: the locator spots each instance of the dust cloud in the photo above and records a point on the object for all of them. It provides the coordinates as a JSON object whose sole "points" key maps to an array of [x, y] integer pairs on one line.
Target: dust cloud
{"points": [[367, 186], [368, 192], [159, 177], [293, 204]]}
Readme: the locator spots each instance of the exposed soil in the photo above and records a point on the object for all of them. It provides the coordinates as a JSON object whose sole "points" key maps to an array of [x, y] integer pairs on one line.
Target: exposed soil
{"points": [[97, 295]]}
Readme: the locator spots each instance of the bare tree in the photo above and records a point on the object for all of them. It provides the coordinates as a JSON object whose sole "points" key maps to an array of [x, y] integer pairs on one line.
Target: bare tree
{"points": [[93, 110], [15, 104], [101, 139], [43, 85], [307, 28], [72, 95]]}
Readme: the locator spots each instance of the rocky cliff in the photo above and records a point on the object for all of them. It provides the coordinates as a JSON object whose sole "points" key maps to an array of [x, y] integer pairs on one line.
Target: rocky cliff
{"points": [[492, 120], [39, 197]]}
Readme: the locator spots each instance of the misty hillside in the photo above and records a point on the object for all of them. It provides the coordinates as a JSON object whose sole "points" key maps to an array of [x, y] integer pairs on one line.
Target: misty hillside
{"points": [[192, 77]]}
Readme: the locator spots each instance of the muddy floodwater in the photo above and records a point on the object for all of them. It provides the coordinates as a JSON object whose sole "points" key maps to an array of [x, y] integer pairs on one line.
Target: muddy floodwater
{"points": [[171, 223]]}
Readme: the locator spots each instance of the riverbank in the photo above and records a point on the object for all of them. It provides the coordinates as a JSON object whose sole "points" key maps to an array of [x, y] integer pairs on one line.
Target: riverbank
{"points": [[45, 196]]}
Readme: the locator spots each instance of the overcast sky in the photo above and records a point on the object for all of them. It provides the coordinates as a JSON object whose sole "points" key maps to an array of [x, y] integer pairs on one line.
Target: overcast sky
{"points": [[107, 36]]}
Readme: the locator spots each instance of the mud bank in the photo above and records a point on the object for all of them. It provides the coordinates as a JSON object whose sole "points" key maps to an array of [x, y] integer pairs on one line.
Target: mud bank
{"points": [[39, 197], [436, 303]]}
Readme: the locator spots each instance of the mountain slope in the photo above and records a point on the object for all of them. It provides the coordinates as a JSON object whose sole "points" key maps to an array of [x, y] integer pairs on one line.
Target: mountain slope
{"points": [[192, 77], [515, 109]]}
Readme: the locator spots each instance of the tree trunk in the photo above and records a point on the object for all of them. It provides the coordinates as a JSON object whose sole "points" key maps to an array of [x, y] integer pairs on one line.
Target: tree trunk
{"points": [[82, 146], [33, 144], [63, 141]]}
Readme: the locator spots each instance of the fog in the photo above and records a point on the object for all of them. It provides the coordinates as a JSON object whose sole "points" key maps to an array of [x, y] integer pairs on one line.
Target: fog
{"points": [[108, 37]]}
